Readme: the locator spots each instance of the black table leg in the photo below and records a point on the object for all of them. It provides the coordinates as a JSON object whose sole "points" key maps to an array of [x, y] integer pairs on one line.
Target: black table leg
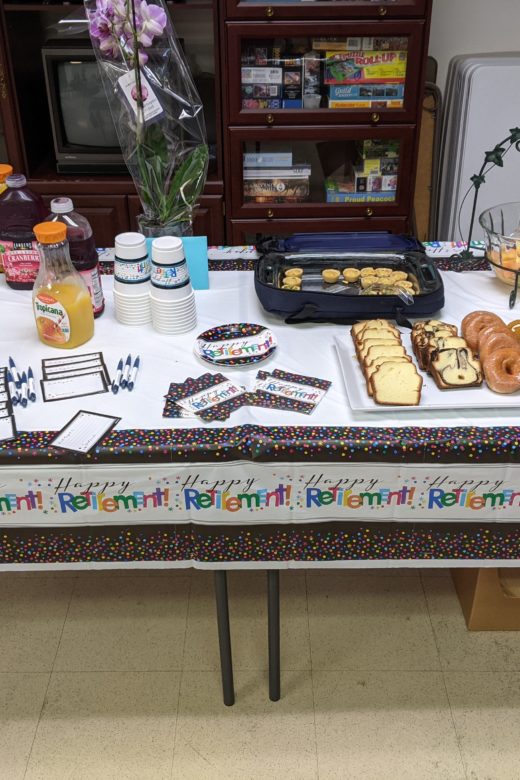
{"points": [[273, 622], [224, 637]]}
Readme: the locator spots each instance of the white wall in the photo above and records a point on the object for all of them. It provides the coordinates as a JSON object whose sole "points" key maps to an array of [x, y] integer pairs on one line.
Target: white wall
{"points": [[471, 27]]}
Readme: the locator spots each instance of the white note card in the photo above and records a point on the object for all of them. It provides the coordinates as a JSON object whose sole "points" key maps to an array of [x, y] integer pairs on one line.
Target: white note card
{"points": [[7, 428], [84, 431], [73, 386]]}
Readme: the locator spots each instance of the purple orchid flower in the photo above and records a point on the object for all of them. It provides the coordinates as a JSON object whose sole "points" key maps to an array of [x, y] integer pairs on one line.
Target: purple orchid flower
{"points": [[113, 24], [153, 22]]}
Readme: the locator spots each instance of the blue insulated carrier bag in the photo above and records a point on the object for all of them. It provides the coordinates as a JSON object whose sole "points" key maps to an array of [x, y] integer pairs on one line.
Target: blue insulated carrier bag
{"points": [[376, 257]]}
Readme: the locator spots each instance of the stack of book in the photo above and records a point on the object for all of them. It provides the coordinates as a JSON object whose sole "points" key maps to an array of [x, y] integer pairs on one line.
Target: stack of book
{"points": [[348, 73], [270, 77], [364, 73], [372, 179], [271, 177]]}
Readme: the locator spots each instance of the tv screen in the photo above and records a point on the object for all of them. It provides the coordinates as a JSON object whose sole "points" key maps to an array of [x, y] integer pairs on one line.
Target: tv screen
{"points": [[84, 135], [85, 115]]}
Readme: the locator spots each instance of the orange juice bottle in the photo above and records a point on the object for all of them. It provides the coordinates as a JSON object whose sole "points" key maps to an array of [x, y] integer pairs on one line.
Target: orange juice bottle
{"points": [[5, 171], [61, 300]]}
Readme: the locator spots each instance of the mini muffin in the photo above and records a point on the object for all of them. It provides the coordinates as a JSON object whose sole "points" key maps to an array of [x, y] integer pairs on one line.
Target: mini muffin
{"points": [[294, 272], [292, 281], [368, 281], [368, 271], [404, 285], [292, 287], [383, 271], [330, 275], [400, 276], [351, 274]]}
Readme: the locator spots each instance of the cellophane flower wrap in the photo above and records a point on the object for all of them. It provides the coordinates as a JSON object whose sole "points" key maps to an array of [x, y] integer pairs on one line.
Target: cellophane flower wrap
{"points": [[154, 103]]}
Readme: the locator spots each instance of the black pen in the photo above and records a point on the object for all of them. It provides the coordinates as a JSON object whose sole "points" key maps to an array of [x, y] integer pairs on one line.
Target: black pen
{"points": [[24, 390], [30, 379], [133, 374], [14, 373], [126, 373], [117, 380]]}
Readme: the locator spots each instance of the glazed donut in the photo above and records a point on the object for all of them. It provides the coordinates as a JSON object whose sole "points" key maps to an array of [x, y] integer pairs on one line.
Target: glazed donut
{"points": [[502, 370], [473, 324], [498, 339], [489, 331]]}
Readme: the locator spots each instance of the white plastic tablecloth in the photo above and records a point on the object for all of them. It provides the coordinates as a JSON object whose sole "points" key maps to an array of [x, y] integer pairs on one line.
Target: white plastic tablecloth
{"points": [[307, 349]]}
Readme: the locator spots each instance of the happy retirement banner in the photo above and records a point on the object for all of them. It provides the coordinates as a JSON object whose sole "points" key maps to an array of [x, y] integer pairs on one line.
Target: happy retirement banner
{"points": [[252, 493]]}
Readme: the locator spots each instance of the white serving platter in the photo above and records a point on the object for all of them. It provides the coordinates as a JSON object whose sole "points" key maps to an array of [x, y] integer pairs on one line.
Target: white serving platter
{"points": [[431, 397]]}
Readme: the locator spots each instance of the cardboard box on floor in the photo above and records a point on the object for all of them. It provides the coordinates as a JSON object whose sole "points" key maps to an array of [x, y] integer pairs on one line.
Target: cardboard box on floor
{"points": [[490, 598]]}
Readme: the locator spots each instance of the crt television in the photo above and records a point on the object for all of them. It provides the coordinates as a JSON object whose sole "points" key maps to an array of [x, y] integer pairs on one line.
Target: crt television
{"points": [[84, 136]]}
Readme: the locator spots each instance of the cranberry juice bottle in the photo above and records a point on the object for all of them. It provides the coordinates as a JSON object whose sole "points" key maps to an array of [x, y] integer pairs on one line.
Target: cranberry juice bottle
{"points": [[20, 209], [82, 247]]}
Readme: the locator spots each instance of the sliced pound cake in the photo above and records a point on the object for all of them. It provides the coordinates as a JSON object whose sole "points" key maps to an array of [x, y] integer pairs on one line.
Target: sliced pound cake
{"points": [[396, 384]]}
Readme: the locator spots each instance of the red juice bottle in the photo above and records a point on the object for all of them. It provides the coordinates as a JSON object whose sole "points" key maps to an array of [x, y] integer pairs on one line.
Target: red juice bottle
{"points": [[82, 246], [20, 209]]}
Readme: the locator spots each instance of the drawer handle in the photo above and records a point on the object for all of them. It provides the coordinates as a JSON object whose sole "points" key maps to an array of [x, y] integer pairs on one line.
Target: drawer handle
{"points": [[269, 119], [269, 12], [270, 213], [382, 11], [369, 212], [375, 117]]}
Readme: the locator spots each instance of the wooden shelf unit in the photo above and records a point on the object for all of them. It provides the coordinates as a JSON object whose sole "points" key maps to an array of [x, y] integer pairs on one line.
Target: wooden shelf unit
{"points": [[224, 214]]}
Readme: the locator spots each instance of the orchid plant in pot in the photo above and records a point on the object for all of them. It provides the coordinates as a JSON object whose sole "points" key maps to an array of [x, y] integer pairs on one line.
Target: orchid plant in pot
{"points": [[156, 109]]}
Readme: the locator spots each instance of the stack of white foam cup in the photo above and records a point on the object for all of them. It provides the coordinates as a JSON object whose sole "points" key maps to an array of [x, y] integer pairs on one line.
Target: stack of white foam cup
{"points": [[171, 294], [132, 270]]}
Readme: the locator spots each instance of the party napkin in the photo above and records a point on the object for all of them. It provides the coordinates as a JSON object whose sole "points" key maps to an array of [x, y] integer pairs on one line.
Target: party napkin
{"points": [[283, 390], [208, 397]]}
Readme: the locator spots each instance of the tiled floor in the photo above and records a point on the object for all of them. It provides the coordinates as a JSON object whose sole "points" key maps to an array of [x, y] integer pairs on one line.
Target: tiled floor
{"points": [[117, 676]]}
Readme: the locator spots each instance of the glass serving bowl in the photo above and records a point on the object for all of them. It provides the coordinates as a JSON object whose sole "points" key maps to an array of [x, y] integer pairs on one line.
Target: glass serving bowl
{"points": [[502, 238]]}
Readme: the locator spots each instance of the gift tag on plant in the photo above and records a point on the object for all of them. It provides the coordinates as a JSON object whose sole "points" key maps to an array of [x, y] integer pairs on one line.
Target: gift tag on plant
{"points": [[151, 106]]}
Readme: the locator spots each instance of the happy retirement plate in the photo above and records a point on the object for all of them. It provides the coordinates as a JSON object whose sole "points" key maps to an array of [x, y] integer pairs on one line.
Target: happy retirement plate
{"points": [[236, 344]]}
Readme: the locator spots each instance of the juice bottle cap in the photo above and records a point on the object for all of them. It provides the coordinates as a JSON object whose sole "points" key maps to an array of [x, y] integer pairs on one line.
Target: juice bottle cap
{"points": [[61, 205], [50, 232], [167, 249], [5, 171], [16, 180], [130, 246]]}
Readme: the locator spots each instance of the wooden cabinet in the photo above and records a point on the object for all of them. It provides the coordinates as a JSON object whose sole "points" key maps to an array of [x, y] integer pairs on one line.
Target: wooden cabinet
{"points": [[334, 9], [28, 115], [228, 41], [308, 100], [108, 215]]}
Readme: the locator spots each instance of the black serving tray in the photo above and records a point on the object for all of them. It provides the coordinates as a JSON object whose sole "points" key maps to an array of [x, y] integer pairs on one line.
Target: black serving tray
{"points": [[321, 302]]}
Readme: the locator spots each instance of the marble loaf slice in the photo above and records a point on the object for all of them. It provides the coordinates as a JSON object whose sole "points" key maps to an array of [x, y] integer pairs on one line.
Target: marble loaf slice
{"points": [[396, 384]]}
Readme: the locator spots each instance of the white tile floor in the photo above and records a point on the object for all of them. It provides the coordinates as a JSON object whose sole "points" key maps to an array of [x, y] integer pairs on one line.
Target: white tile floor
{"points": [[117, 676]]}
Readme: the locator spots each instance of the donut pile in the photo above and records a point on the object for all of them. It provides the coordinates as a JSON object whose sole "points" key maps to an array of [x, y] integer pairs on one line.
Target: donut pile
{"points": [[497, 347]]}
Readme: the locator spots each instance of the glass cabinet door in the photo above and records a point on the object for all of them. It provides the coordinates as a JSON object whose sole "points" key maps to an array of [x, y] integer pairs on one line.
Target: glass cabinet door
{"points": [[306, 73], [299, 9], [324, 172]]}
